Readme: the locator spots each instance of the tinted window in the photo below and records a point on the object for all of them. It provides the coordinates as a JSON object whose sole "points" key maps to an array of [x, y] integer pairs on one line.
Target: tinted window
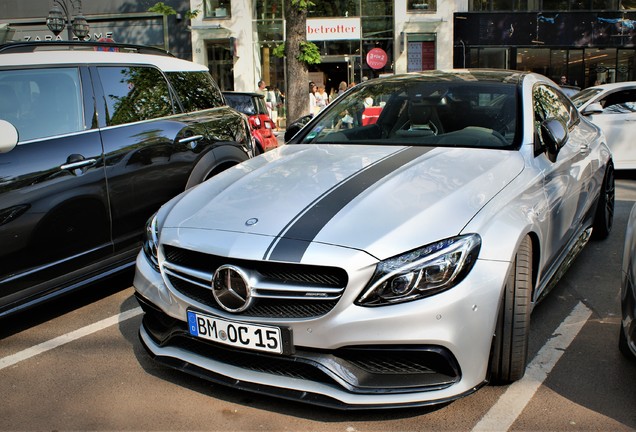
{"points": [[196, 90], [620, 102], [241, 103], [42, 103], [426, 111], [134, 93]]}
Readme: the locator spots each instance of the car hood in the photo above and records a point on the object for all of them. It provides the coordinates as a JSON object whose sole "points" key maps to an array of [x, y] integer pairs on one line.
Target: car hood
{"points": [[382, 200]]}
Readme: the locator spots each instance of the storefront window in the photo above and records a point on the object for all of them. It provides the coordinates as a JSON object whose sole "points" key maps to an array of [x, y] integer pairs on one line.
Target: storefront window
{"points": [[268, 9], [217, 9], [546, 5], [220, 63], [496, 58], [335, 8], [377, 7], [625, 68], [271, 30], [421, 5]]}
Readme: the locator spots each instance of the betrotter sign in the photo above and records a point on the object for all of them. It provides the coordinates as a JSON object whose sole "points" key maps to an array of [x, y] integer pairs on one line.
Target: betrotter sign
{"points": [[333, 29]]}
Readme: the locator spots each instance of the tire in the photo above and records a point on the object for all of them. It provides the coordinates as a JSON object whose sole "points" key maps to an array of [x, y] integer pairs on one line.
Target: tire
{"points": [[509, 351], [623, 346], [604, 217]]}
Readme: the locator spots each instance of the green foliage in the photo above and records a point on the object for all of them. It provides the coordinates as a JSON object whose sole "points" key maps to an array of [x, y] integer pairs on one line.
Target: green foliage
{"points": [[192, 14], [162, 8], [303, 4], [279, 50], [309, 53]]}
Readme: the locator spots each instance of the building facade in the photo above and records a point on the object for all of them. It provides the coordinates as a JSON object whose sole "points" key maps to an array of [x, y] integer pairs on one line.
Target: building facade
{"points": [[356, 39], [125, 21], [588, 41]]}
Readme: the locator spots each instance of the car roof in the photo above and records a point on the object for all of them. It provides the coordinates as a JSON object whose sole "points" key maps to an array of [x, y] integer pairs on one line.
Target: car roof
{"points": [[62, 54], [502, 75], [251, 94], [614, 86]]}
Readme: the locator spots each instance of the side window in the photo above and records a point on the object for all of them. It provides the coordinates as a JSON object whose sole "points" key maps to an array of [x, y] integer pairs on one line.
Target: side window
{"points": [[42, 103], [547, 103], [134, 93], [620, 102], [196, 90]]}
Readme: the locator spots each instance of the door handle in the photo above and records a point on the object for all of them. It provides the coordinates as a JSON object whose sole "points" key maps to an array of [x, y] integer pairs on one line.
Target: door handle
{"points": [[78, 164], [190, 139]]}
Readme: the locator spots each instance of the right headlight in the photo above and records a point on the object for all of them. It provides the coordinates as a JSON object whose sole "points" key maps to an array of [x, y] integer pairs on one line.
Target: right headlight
{"points": [[421, 272], [151, 241]]}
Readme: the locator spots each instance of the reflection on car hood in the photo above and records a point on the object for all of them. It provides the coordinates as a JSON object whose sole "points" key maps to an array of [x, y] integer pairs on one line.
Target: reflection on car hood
{"points": [[343, 195]]}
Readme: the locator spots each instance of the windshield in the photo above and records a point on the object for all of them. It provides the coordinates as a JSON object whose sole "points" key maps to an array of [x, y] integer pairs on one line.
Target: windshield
{"points": [[418, 111], [585, 95]]}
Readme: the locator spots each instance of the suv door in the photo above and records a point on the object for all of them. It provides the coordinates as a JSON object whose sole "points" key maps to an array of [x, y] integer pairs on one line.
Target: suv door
{"points": [[54, 215], [151, 144]]}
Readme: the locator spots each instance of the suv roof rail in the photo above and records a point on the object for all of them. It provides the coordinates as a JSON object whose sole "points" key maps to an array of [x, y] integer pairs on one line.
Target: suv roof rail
{"points": [[25, 47]]}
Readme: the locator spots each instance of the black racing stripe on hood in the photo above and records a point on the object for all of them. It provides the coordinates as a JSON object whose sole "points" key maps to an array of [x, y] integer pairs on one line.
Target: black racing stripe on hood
{"points": [[291, 244]]}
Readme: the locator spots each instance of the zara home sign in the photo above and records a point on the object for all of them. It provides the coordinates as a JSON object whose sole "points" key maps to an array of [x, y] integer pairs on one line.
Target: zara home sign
{"points": [[333, 29]]}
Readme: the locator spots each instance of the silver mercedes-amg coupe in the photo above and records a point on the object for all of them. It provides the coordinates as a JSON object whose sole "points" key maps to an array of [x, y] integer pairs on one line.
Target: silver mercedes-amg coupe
{"points": [[381, 261]]}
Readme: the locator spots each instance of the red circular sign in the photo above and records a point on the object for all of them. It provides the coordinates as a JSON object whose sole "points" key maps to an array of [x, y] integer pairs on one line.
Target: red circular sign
{"points": [[377, 58]]}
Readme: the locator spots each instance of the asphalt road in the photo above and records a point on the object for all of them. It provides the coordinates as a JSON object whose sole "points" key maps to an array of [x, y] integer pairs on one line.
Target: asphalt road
{"points": [[77, 364]]}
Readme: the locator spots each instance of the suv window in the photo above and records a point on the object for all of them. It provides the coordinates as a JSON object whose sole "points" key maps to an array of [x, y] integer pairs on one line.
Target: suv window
{"points": [[134, 93], [41, 103], [196, 90]]}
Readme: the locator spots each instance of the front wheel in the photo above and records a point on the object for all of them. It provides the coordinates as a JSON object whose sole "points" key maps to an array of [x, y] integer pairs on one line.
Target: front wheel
{"points": [[604, 217], [510, 343]]}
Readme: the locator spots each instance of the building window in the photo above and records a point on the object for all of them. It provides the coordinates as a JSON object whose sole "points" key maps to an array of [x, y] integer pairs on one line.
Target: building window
{"points": [[421, 6], [265, 10], [334, 8], [217, 9]]}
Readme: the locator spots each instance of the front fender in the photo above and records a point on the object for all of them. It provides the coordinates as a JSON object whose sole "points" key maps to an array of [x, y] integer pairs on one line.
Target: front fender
{"points": [[220, 158]]}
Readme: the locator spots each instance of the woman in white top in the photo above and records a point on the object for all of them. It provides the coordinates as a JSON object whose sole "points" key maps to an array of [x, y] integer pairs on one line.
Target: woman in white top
{"points": [[313, 107]]}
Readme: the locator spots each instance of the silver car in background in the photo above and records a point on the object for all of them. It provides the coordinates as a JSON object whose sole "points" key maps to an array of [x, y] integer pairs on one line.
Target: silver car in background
{"points": [[612, 107], [384, 263]]}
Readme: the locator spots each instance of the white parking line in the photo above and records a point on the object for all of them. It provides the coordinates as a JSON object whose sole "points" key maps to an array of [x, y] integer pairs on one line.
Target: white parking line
{"points": [[502, 414], [66, 338]]}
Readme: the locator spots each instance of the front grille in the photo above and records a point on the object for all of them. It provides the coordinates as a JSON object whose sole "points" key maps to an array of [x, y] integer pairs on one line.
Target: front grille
{"points": [[280, 290]]}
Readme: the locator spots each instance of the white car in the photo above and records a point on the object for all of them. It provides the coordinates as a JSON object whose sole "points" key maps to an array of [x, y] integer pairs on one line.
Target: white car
{"points": [[613, 108], [390, 264]]}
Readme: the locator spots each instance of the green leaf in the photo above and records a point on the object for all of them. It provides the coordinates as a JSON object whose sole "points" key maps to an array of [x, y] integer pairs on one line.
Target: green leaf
{"points": [[162, 9]]}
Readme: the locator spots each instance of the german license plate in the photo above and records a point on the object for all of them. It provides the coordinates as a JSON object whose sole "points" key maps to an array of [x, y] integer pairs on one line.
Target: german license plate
{"points": [[236, 334]]}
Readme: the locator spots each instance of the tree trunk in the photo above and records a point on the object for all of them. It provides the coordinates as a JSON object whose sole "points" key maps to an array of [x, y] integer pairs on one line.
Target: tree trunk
{"points": [[297, 96]]}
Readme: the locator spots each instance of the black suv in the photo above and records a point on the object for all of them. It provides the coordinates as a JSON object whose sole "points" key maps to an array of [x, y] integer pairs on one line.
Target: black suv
{"points": [[95, 138]]}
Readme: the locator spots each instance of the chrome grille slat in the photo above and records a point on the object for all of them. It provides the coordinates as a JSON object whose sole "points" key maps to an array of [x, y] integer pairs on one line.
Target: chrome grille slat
{"points": [[280, 290]]}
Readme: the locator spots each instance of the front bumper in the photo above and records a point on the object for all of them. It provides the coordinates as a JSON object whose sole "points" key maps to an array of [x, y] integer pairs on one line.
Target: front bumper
{"points": [[420, 353]]}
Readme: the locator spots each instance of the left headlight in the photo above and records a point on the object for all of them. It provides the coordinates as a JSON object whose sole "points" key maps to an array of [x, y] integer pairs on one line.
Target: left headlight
{"points": [[421, 272], [151, 241]]}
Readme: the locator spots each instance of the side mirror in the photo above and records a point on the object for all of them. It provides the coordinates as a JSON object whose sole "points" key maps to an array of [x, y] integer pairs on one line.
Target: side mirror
{"points": [[8, 136], [296, 126], [593, 108], [554, 134]]}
